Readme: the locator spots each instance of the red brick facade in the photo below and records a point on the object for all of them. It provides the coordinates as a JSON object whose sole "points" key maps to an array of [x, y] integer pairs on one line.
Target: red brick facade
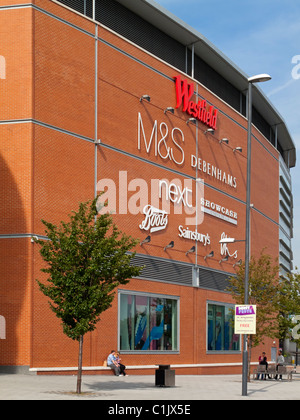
{"points": [[55, 101]]}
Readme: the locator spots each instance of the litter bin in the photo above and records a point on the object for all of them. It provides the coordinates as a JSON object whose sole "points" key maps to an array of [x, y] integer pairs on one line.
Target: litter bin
{"points": [[164, 376]]}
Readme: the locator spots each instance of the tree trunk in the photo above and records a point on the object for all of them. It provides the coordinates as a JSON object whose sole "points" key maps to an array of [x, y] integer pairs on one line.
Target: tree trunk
{"points": [[79, 373]]}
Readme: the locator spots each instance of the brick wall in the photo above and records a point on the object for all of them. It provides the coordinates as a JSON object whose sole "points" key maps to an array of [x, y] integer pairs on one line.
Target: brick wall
{"points": [[48, 106]]}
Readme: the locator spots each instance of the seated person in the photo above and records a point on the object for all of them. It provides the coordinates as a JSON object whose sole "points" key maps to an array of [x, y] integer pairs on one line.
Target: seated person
{"points": [[112, 363]]}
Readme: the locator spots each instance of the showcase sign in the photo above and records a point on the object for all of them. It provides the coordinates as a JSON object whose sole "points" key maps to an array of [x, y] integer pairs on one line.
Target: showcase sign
{"points": [[245, 319], [198, 110], [219, 211]]}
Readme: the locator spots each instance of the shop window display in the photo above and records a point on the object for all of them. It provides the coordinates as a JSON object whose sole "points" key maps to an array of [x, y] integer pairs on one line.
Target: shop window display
{"points": [[148, 323], [220, 328]]}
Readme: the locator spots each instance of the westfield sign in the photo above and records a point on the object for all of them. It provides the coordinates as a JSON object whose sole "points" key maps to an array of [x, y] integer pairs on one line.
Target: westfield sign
{"points": [[198, 110]]}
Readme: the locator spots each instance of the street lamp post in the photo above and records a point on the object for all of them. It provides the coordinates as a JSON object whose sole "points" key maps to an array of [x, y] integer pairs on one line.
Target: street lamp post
{"points": [[251, 80]]}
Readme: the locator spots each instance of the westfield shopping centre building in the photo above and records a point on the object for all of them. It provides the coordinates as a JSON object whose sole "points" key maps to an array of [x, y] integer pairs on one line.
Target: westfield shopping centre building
{"points": [[121, 97]]}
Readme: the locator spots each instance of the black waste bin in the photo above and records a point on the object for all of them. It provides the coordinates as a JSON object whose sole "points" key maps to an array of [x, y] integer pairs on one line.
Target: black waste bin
{"points": [[164, 376]]}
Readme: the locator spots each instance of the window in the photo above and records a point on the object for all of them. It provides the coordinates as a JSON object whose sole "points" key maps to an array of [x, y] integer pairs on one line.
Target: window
{"points": [[220, 328], [148, 322]]}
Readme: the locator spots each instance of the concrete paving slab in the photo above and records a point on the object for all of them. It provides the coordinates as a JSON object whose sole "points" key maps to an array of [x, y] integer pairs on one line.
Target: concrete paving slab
{"points": [[139, 388]]}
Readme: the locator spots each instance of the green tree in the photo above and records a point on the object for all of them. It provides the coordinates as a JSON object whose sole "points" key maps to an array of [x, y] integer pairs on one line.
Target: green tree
{"points": [[263, 292], [87, 258], [289, 306]]}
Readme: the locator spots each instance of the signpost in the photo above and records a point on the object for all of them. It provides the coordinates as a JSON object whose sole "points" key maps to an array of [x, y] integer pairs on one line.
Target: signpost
{"points": [[245, 319]]}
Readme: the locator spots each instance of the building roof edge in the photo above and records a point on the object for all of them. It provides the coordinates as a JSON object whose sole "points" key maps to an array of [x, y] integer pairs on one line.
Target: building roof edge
{"points": [[173, 26]]}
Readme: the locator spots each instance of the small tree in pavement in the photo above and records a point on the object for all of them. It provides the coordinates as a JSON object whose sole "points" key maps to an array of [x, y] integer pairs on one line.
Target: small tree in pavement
{"points": [[87, 258], [263, 292]]}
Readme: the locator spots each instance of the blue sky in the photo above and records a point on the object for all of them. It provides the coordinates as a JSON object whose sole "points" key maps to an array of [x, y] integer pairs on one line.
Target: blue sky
{"points": [[259, 37]]}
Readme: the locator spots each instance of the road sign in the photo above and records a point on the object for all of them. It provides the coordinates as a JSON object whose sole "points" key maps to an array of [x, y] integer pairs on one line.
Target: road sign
{"points": [[245, 319]]}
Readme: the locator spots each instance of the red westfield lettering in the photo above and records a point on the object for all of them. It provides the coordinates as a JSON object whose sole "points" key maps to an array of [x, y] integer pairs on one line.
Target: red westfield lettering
{"points": [[184, 94]]}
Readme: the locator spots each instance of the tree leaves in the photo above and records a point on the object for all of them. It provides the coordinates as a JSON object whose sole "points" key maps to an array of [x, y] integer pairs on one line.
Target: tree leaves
{"points": [[277, 297], [87, 258], [263, 292]]}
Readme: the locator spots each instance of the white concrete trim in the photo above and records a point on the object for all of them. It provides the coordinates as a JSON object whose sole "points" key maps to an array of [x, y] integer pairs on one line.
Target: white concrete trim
{"points": [[132, 367]]}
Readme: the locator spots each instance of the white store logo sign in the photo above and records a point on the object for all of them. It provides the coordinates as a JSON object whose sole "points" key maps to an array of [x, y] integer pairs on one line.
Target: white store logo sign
{"points": [[155, 219], [194, 235], [169, 145], [219, 211], [225, 250]]}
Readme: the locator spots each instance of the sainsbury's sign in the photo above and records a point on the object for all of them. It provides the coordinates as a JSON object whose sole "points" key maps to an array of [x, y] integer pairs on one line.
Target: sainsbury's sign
{"points": [[198, 110]]}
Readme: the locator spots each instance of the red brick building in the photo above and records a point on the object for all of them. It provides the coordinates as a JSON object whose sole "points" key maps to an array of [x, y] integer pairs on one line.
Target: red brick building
{"points": [[89, 104]]}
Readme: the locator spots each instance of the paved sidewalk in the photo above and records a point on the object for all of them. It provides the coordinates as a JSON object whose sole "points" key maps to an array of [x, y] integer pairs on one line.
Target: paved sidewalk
{"points": [[118, 389]]}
